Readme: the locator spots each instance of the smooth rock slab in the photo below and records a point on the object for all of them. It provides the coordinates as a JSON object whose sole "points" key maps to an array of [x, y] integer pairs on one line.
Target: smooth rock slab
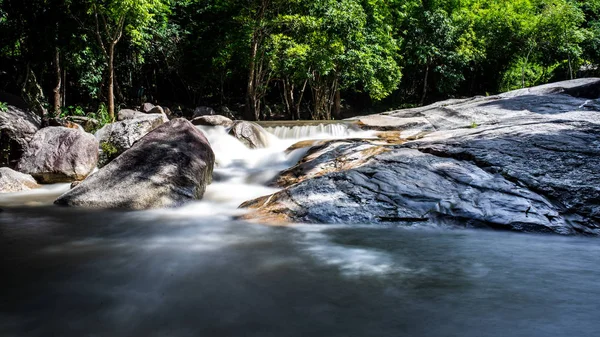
{"points": [[13, 181], [59, 154], [169, 166], [408, 187], [526, 160]]}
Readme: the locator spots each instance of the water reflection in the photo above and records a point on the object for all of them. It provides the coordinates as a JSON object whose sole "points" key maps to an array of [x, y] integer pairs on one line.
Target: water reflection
{"points": [[71, 273]]}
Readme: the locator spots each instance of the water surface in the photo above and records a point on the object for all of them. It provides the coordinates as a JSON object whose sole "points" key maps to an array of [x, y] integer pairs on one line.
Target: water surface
{"points": [[194, 271]]}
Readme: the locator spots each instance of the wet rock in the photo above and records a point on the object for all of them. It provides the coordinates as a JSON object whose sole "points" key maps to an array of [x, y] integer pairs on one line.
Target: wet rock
{"points": [[212, 120], [325, 157], [249, 133], [409, 187], [17, 128], [13, 181], [116, 138], [59, 154], [169, 166], [556, 158], [523, 161]]}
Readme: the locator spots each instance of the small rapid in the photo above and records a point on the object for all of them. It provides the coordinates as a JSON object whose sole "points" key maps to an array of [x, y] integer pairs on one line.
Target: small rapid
{"points": [[240, 173], [320, 131]]}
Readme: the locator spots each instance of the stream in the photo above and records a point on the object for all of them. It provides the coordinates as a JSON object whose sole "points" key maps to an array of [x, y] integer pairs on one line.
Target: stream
{"points": [[195, 271]]}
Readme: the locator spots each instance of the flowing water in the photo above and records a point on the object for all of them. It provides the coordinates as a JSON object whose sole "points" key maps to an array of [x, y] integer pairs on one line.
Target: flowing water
{"points": [[194, 271]]}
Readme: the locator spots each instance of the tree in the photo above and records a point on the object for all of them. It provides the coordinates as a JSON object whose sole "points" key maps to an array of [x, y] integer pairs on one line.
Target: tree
{"points": [[333, 46], [113, 17]]}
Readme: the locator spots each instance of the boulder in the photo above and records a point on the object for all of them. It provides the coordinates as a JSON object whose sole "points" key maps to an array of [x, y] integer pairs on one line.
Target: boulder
{"points": [[147, 107], [116, 138], [522, 161], [157, 110], [17, 128], [59, 154], [133, 114], [249, 133], [212, 120], [170, 114], [13, 181], [64, 122], [88, 124], [203, 111], [169, 166]]}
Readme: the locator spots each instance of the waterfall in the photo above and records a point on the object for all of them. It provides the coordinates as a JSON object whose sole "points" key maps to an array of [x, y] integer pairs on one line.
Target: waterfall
{"points": [[321, 131]]}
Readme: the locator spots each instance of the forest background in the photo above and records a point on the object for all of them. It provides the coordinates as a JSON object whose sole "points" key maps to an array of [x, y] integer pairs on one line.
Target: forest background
{"points": [[285, 59]]}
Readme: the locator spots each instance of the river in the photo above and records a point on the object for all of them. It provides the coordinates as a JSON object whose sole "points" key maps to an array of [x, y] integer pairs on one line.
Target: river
{"points": [[195, 271]]}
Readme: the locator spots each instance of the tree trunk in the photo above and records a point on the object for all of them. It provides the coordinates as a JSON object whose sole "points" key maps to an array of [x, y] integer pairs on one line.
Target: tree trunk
{"points": [[64, 88], [337, 105], [57, 96], [111, 81], [570, 66], [300, 99], [425, 84], [251, 88]]}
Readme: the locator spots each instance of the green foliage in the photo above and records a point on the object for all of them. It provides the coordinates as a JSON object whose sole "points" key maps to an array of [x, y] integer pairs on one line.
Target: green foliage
{"points": [[71, 111], [3, 107], [109, 151], [101, 115], [309, 57]]}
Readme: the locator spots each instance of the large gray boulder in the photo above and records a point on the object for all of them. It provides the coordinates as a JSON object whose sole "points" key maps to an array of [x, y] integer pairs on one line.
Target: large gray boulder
{"points": [[522, 161], [59, 154], [169, 166], [249, 133], [116, 138], [13, 181], [17, 128]]}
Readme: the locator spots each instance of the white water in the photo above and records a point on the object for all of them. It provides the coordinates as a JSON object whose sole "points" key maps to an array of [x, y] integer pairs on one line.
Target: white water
{"points": [[321, 131], [240, 173]]}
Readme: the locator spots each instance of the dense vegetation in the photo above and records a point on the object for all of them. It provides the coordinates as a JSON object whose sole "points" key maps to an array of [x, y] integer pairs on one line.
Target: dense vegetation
{"points": [[267, 59]]}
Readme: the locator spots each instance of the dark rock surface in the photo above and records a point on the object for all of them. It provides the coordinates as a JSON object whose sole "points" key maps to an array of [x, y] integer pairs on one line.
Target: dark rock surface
{"points": [[526, 160], [169, 166], [13, 181], [249, 133], [59, 154], [17, 128], [116, 138]]}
